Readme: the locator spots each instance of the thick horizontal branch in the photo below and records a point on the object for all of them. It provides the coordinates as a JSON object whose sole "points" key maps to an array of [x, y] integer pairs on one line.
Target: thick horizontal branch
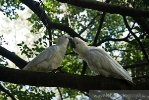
{"points": [[35, 7], [66, 80], [114, 9], [12, 57]]}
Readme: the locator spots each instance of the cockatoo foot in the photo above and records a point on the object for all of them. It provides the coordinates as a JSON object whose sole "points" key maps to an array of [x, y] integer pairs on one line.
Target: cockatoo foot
{"points": [[56, 70]]}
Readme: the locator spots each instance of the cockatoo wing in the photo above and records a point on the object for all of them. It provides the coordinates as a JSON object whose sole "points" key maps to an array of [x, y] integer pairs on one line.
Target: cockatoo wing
{"points": [[105, 64], [47, 53]]}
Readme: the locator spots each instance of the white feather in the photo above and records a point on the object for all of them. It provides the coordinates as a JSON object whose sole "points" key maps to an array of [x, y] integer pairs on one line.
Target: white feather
{"points": [[100, 61], [50, 58]]}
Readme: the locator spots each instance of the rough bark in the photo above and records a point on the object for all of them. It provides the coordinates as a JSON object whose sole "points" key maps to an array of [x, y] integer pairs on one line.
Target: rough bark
{"points": [[12, 57], [61, 79], [113, 9]]}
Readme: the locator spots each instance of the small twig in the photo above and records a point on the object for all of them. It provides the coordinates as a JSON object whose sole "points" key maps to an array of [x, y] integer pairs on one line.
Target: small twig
{"points": [[91, 22], [137, 39], [112, 39], [100, 26], [140, 77], [50, 36], [2, 88], [48, 29], [137, 65], [60, 93], [84, 68], [68, 14]]}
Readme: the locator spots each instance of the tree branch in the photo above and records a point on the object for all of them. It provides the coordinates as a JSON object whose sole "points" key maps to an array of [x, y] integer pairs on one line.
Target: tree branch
{"points": [[142, 24], [137, 39], [2, 88], [113, 9], [84, 68], [100, 26], [59, 91], [12, 57], [35, 7], [137, 65], [112, 39], [66, 80], [91, 22]]}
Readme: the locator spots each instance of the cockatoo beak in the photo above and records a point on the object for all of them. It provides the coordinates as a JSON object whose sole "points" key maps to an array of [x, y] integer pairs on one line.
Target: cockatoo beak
{"points": [[72, 44]]}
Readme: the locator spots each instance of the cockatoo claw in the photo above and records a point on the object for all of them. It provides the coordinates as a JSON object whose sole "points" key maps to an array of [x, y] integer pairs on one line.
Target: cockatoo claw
{"points": [[56, 70]]}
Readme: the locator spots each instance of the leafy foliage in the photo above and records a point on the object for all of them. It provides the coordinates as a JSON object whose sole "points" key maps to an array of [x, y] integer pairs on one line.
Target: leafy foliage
{"points": [[9, 8], [29, 92], [3, 61], [78, 18]]}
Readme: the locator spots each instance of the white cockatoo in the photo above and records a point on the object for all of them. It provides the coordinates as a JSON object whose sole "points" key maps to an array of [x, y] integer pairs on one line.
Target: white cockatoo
{"points": [[50, 58], [100, 61]]}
